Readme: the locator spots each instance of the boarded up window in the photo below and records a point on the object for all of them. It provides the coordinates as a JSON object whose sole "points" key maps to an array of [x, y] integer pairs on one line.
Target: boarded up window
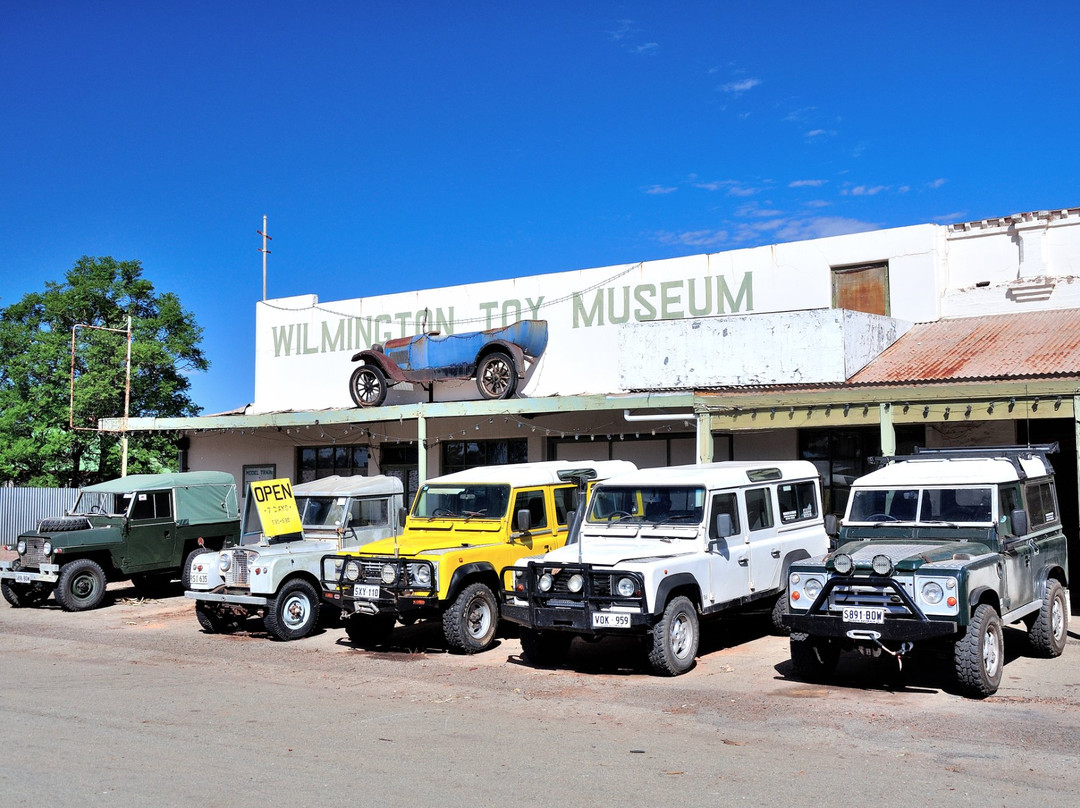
{"points": [[862, 288]]}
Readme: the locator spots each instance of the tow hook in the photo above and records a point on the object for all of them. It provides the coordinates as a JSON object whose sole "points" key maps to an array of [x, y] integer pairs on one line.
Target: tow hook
{"points": [[863, 636], [366, 607]]}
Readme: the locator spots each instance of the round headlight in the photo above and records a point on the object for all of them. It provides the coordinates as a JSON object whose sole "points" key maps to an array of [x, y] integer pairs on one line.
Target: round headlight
{"points": [[389, 574], [882, 565], [224, 562], [423, 574], [21, 547], [576, 583], [812, 588], [352, 570], [545, 582], [932, 592], [626, 587], [843, 564], [46, 548]]}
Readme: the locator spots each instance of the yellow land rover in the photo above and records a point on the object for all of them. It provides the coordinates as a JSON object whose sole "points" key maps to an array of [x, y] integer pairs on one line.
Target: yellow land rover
{"points": [[463, 528]]}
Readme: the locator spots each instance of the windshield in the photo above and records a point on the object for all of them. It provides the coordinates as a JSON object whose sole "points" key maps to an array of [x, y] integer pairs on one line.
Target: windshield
{"points": [[648, 504], [952, 505], [90, 503], [488, 501], [335, 512]]}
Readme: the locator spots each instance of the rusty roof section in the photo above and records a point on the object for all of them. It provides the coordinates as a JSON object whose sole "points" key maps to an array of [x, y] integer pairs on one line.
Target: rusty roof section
{"points": [[1038, 344]]}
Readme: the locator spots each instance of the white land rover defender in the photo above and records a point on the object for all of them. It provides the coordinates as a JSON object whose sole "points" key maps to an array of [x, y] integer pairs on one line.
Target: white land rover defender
{"points": [[658, 548], [279, 577], [945, 546]]}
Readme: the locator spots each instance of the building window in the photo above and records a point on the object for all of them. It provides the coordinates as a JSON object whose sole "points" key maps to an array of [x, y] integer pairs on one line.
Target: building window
{"points": [[842, 455], [458, 455], [316, 462], [401, 460], [862, 288]]}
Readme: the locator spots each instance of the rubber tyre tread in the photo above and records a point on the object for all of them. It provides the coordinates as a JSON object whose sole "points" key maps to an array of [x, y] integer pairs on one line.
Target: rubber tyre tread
{"points": [[455, 620], [275, 620], [813, 658], [380, 379], [1044, 642], [780, 607], [75, 572], [968, 652], [511, 382], [185, 572], [545, 649], [663, 658], [22, 596], [214, 623]]}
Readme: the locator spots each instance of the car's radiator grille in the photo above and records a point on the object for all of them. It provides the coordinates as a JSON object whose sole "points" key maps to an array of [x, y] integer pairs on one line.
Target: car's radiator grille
{"points": [[864, 596], [238, 570], [34, 557]]}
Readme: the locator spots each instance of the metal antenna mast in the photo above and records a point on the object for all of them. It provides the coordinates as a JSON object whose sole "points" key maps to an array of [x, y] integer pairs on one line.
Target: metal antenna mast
{"points": [[265, 252]]}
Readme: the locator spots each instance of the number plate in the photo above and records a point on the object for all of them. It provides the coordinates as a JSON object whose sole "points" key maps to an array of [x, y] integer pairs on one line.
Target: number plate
{"points": [[198, 578], [365, 591], [863, 615], [608, 620], [23, 578]]}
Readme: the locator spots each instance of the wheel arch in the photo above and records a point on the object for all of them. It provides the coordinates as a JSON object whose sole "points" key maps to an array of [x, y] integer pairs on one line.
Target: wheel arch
{"points": [[984, 594], [475, 571], [681, 583]]}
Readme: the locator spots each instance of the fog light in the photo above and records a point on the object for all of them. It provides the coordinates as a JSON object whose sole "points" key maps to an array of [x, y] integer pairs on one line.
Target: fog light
{"points": [[882, 565], [843, 564], [389, 574], [352, 571]]}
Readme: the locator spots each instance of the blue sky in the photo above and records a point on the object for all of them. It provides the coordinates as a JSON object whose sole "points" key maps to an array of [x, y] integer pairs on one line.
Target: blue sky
{"points": [[404, 145]]}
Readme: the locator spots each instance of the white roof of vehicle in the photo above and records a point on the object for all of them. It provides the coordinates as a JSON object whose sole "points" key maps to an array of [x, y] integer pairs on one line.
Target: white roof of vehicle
{"points": [[951, 471], [518, 475], [721, 474], [355, 486]]}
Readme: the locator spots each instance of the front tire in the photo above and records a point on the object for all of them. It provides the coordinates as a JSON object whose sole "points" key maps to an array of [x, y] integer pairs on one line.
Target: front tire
{"points": [[979, 656], [545, 649], [81, 585], [470, 622], [367, 386], [675, 638], [213, 621], [776, 616], [294, 612], [496, 376], [23, 595], [1050, 630]]}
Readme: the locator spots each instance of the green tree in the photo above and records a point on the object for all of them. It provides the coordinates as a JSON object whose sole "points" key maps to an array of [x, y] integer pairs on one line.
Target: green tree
{"points": [[38, 445]]}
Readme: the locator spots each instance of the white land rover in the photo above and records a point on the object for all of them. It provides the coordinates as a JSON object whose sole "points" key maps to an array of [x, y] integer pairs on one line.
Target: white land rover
{"points": [[658, 548], [279, 577]]}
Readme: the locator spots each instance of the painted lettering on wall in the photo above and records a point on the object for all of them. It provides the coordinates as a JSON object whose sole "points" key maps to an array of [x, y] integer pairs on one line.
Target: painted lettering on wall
{"points": [[605, 306]]}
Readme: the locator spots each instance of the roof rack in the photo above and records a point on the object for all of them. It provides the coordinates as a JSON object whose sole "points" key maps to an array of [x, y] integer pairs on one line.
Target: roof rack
{"points": [[1014, 454]]}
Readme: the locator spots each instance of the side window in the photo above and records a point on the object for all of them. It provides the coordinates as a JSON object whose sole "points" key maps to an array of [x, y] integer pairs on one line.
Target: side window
{"points": [[724, 504], [797, 501], [533, 502], [143, 507], [1042, 509], [1010, 501], [759, 508], [367, 512], [565, 501]]}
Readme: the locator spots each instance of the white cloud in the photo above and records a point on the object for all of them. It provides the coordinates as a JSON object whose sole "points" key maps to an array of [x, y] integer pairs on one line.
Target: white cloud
{"points": [[937, 183], [660, 189], [695, 238], [647, 49], [767, 231], [740, 86], [866, 190], [806, 183]]}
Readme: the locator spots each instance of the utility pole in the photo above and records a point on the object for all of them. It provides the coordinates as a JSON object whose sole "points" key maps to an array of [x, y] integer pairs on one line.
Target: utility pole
{"points": [[265, 252]]}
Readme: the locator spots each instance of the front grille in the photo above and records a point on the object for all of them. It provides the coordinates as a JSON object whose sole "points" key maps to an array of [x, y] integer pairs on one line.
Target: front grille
{"points": [[238, 574], [34, 555], [599, 587], [867, 596]]}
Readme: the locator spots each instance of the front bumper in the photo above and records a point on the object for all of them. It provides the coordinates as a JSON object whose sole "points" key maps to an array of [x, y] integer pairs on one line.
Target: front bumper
{"points": [[579, 620], [228, 597], [894, 629], [395, 603], [46, 573]]}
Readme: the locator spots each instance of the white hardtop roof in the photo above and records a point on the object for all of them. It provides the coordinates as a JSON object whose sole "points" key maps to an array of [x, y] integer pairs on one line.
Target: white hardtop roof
{"points": [[355, 486], [719, 475], [951, 471], [525, 474]]}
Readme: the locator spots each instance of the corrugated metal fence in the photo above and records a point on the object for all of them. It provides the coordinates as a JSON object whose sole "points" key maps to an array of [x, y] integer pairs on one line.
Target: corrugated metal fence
{"points": [[22, 508]]}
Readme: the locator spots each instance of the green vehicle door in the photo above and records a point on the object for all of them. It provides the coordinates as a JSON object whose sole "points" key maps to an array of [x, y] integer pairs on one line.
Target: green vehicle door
{"points": [[151, 532]]}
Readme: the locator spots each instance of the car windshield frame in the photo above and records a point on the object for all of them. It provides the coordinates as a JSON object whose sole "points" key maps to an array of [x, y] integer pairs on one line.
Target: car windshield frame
{"points": [[648, 505], [966, 504], [462, 501], [96, 503]]}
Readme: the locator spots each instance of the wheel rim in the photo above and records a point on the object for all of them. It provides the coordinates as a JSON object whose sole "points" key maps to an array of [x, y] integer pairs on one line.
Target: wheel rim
{"points": [[496, 377], [1057, 619], [367, 386], [478, 618], [991, 652], [681, 635], [83, 586], [295, 611]]}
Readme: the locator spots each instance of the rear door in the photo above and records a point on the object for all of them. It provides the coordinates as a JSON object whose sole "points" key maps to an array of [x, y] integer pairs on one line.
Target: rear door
{"points": [[762, 538]]}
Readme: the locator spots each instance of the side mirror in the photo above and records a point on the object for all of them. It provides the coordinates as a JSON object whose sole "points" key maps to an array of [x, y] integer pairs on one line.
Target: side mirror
{"points": [[1020, 522], [724, 525], [524, 520], [832, 524], [401, 514]]}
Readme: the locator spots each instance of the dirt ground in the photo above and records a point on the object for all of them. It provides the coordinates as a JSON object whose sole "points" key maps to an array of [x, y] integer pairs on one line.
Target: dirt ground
{"points": [[133, 703]]}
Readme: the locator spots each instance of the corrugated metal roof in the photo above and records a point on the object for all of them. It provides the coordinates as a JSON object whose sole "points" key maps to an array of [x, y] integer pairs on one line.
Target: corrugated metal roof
{"points": [[1038, 344]]}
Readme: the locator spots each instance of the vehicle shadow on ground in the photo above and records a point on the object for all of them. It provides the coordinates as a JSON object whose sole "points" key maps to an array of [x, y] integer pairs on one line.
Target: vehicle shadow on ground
{"points": [[926, 670], [421, 637]]}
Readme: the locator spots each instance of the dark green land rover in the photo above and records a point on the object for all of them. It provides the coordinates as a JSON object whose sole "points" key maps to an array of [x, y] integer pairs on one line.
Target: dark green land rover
{"points": [[141, 527]]}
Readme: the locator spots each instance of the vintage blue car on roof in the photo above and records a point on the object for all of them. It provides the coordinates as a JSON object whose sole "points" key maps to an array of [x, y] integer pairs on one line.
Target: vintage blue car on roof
{"points": [[498, 358]]}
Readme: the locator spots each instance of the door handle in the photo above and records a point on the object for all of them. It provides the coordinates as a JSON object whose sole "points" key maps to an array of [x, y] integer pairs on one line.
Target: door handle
{"points": [[775, 553], [743, 562]]}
